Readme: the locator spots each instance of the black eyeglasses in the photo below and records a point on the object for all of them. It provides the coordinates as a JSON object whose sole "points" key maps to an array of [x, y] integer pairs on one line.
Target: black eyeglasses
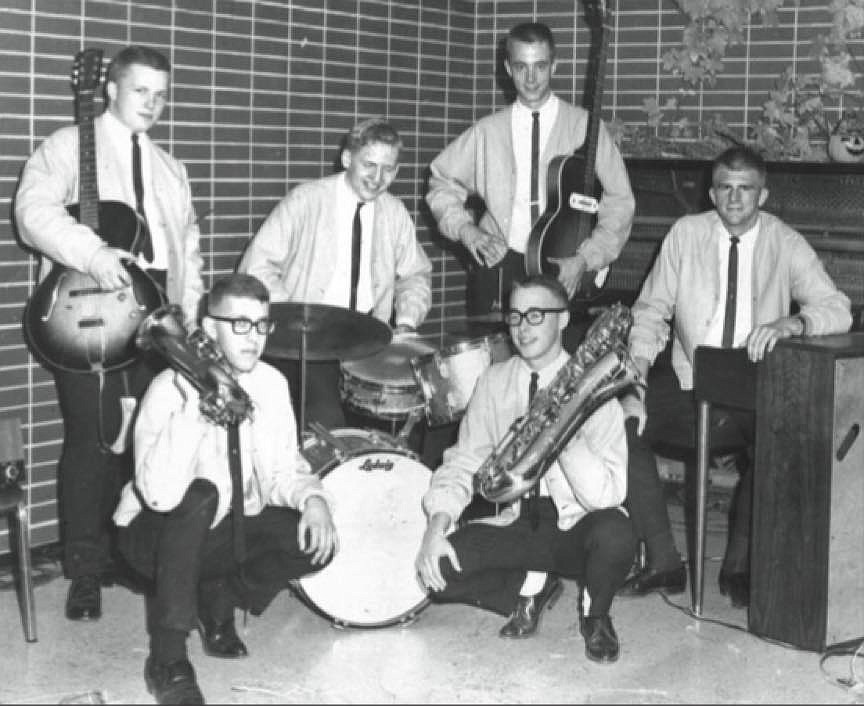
{"points": [[241, 326], [535, 316]]}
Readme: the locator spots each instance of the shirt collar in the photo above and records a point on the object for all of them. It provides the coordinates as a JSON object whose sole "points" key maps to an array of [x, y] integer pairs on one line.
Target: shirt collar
{"points": [[118, 130], [547, 372], [547, 109], [747, 237]]}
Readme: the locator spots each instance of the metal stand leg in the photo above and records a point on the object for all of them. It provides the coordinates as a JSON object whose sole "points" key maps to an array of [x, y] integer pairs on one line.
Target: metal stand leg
{"points": [[28, 601], [702, 442]]}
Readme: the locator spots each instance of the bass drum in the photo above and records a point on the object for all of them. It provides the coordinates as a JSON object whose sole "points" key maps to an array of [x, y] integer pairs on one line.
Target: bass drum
{"points": [[377, 486]]}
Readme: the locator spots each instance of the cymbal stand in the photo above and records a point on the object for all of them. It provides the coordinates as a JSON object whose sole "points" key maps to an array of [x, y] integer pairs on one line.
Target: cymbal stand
{"points": [[303, 331]]}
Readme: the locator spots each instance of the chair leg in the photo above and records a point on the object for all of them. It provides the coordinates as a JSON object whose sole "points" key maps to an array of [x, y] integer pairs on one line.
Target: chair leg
{"points": [[28, 602], [702, 442]]}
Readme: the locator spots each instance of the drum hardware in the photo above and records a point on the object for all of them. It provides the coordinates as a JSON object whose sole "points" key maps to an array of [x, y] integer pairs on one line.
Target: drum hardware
{"points": [[378, 487], [322, 332]]}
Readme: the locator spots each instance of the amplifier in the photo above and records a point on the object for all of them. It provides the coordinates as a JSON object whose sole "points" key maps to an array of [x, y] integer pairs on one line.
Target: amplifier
{"points": [[807, 556]]}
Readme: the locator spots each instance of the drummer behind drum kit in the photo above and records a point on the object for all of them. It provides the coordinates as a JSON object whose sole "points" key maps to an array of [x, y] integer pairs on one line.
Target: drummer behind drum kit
{"points": [[377, 481]]}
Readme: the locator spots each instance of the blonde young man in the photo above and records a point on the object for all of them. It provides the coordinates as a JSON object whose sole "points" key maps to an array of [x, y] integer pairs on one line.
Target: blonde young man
{"points": [[303, 253], [90, 478]]}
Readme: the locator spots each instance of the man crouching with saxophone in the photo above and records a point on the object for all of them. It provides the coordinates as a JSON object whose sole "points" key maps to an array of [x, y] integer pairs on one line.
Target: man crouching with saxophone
{"points": [[572, 524], [224, 511]]}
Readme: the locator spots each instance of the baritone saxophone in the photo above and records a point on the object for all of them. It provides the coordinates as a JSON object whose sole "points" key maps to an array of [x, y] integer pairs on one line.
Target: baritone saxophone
{"points": [[601, 368]]}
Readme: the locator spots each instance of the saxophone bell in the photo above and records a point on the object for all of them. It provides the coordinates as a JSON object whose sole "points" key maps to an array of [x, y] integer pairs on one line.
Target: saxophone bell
{"points": [[196, 357]]}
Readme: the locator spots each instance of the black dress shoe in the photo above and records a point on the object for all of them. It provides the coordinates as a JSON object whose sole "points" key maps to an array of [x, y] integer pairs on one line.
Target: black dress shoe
{"points": [[649, 580], [601, 642], [737, 586], [84, 600], [222, 640], [172, 683], [525, 617]]}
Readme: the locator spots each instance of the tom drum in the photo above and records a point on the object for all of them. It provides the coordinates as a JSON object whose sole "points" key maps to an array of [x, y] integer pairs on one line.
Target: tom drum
{"points": [[447, 377]]}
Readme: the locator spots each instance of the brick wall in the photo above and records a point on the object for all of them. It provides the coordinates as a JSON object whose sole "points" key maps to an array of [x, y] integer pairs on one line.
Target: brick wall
{"points": [[263, 92]]}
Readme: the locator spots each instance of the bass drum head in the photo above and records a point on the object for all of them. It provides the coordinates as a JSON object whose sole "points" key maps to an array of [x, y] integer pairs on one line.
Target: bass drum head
{"points": [[371, 581]]}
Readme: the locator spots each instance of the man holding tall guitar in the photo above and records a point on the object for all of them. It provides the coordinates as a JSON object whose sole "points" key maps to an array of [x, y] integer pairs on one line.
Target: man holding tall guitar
{"points": [[140, 242], [504, 159]]}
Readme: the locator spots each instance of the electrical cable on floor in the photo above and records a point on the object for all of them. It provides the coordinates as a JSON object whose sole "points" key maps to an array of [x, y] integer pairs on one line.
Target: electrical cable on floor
{"points": [[853, 648]]}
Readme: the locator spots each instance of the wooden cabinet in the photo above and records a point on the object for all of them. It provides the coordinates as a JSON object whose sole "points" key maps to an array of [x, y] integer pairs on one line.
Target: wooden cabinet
{"points": [[807, 556]]}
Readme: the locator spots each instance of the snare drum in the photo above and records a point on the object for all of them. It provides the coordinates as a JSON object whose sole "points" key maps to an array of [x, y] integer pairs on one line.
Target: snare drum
{"points": [[447, 377], [383, 385], [378, 487]]}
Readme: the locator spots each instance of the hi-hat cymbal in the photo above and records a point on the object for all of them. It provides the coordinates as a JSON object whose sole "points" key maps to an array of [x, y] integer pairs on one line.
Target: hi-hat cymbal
{"points": [[331, 332]]}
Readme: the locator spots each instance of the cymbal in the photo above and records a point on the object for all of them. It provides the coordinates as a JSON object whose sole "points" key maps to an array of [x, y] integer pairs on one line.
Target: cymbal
{"points": [[331, 332]]}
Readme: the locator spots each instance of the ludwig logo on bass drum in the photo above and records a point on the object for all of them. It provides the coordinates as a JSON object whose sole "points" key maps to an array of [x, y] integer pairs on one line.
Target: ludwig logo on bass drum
{"points": [[377, 465]]}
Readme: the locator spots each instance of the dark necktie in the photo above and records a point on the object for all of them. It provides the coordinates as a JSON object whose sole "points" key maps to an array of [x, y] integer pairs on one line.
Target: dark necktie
{"points": [[533, 494], [535, 157], [356, 239], [731, 294], [236, 470], [145, 245]]}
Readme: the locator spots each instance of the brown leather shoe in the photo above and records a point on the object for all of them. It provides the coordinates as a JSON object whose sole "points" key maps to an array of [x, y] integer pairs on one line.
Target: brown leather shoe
{"points": [[525, 617], [222, 640], [601, 642]]}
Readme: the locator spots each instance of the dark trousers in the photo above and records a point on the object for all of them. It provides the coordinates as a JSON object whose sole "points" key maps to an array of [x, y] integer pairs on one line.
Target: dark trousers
{"points": [[672, 422], [597, 551], [89, 477], [191, 568]]}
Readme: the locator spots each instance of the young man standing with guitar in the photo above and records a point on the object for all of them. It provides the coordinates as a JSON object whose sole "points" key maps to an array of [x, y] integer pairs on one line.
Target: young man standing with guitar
{"points": [[504, 159], [146, 236]]}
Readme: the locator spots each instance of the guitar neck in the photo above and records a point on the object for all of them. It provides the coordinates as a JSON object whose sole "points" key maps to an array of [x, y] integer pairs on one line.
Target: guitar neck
{"points": [[598, 63], [88, 190]]}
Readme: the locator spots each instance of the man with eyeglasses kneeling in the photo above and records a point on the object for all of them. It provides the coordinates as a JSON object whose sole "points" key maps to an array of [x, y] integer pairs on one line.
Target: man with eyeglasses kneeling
{"points": [[574, 527], [176, 524]]}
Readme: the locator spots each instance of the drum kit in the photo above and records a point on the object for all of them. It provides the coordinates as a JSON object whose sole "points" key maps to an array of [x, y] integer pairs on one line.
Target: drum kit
{"points": [[376, 480]]}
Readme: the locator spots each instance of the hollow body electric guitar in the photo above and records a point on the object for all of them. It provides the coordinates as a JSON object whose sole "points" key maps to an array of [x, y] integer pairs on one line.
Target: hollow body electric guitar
{"points": [[70, 321], [572, 191]]}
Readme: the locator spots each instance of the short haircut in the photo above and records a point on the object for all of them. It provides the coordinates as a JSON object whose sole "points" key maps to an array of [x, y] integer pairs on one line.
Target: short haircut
{"points": [[237, 285], [531, 32], [136, 54], [740, 157], [372, 130], [548, 282]]}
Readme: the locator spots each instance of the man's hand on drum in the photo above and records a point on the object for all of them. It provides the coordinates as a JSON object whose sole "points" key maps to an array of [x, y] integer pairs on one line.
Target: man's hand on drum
{"points": [[323, 543], [434, 547]]}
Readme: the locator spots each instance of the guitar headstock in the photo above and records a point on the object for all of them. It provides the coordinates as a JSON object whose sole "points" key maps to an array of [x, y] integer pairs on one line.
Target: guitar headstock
{"points": [[599, 13], [87, 71]]}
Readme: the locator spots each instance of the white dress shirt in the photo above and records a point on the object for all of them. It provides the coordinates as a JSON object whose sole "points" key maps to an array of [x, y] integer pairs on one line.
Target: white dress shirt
{"points": [[520, 221]]}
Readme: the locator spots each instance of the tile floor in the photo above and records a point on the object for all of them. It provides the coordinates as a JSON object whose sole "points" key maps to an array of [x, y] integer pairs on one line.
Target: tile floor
{"points": [[450, 654]]}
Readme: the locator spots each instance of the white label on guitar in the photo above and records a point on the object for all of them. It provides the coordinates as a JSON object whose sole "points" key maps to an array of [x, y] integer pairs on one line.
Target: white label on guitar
{"points": [[580, 202]]}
